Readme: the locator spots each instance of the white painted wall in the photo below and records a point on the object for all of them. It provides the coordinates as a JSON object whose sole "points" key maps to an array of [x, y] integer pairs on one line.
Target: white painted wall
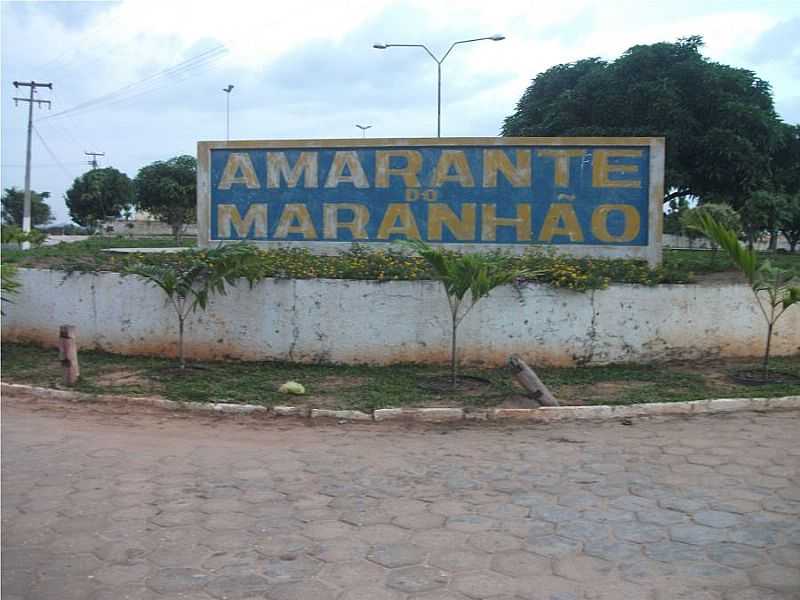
{"points": [[684, 241], [369, 322]]}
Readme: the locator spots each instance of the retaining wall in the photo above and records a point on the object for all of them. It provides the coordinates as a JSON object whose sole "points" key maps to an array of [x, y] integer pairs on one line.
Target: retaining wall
{"points": [[368, 322]]}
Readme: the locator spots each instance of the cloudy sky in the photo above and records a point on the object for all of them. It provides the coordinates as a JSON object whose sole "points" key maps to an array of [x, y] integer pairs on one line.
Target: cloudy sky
{"points": [[142, 81]]}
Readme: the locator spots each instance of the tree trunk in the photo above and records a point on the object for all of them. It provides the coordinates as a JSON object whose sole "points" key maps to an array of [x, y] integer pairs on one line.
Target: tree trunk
{"points": [[180, 343], [765, 366], [453, 356], [176, 231], [68, 353], [536, 390], [773, 241]]}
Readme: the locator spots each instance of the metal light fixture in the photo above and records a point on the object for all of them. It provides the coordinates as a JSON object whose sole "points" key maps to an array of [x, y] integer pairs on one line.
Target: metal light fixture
{"points": [[497, 37], [228, 91]]}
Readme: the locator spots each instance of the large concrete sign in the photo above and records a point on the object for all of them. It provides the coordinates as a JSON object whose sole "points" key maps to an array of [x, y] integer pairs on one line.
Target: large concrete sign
{"points": [[586, 196]]}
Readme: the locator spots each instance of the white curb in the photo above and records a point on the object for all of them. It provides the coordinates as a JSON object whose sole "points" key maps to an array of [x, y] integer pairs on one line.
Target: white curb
{"points": [[347, 415], [441, 414]]}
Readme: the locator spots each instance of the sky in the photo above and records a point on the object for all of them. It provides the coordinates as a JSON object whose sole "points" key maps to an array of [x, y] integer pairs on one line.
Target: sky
{"points": [[142, 80]]}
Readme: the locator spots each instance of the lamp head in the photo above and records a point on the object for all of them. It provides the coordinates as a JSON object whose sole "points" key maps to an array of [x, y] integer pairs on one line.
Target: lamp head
{"points": [[380, 46], [497, 37], [228, 89]]}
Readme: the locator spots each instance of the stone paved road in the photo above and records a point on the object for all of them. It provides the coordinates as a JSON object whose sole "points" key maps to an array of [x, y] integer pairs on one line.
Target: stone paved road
{"points": [[103, 504]]}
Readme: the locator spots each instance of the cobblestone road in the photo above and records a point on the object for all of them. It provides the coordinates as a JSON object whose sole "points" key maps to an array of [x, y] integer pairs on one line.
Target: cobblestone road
{"points": [[99, 503]]}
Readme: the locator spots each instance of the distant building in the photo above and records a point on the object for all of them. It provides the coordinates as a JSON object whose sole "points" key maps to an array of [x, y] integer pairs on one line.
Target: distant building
{"points": [[142, 224]]}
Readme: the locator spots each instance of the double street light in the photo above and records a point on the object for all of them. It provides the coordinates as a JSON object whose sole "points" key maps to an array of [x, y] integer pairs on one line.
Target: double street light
{"points": [[494, 38], [228, 91]]}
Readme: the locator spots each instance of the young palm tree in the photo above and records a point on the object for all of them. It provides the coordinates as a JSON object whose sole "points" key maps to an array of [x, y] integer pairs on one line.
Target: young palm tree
{"points": [[775, 289], [467, 277], [192, 276]]}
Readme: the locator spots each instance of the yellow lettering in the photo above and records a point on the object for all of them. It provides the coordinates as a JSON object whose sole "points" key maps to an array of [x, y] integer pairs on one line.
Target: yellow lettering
{"points": [[562, 163], [398, 219], [601, 168], [349, 159], [561, 220], [463, 229], [600, 222], [384, 171], [490, 222], [239, 162], [305, 167], [228, 216], [357, 226], [497, 160], [295, 219], [452, 159]]}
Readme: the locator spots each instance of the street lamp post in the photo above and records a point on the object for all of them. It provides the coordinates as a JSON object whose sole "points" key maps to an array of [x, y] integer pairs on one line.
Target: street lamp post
{"points": [[382, 46], [228, 91], [363, 129]]}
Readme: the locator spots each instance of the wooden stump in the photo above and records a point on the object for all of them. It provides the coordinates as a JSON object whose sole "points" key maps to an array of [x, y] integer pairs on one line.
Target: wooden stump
{"points": [[68, 353], [534, 387]]}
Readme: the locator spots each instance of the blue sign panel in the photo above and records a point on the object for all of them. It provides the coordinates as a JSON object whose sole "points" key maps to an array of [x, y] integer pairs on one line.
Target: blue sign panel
{"points": [[528, 191]]}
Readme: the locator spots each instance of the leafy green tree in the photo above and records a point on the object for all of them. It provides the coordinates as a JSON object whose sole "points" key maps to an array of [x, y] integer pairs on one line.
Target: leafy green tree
{"points": [[763, 212], [13, 201], [168, 191], [722, 213], [790, 221], [775, 289], [467, 277], [13, 234], [786, 160], [189, 278], [719, 121], [99, 195]]}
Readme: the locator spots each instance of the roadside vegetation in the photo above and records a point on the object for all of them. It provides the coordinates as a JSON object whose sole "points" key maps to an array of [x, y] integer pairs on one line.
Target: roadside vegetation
{"points": [[367, 388], [679, 266]]}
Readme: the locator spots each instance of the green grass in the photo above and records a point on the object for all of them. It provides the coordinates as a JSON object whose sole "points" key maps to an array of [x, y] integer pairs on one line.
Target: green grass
{"points": [[368, 388], [88, 250], [706, 261]]}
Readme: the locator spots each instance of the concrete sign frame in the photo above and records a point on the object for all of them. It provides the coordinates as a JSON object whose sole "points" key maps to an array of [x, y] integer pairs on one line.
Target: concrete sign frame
{"points": [[240, 177]]}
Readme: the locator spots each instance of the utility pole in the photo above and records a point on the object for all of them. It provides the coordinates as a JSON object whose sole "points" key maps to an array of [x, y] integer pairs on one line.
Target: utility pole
{"points": [[26, 206], [94, 156]]}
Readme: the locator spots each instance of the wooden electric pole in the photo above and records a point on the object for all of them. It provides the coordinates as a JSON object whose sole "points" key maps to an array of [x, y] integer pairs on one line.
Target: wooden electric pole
{"points": [[94, 156], [26, 206]]}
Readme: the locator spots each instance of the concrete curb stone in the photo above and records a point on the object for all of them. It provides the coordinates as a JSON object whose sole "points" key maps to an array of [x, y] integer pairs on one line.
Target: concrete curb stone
{"points": [[438, 414], [347, 415]]}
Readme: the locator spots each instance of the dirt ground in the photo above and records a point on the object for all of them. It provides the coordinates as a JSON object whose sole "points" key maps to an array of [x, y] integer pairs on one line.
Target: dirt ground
{"points": [[103, 501]]}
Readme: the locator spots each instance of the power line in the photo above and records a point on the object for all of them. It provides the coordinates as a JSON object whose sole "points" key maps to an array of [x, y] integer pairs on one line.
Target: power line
{"points": [[53, 155], [152, 81], [38, 165], [65, 126]]}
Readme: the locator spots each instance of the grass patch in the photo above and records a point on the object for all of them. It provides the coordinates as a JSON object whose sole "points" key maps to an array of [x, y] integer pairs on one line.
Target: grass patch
{"points": [[87, 251], [367, 388], [706, 261]]}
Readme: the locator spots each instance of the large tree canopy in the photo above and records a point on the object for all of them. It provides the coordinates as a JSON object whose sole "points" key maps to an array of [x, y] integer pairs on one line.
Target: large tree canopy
{"points": [[167, 190], [13, 201], [719, 122], [98, 195]]}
